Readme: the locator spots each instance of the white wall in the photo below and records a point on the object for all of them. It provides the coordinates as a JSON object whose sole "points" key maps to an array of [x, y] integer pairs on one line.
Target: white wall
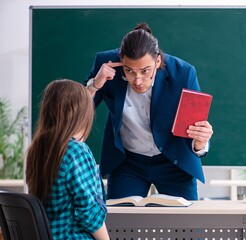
{"points": [[14, 50]]}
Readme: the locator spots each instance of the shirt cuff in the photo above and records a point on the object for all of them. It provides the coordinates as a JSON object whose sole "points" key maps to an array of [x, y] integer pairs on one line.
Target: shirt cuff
{"points": [[201, 152]]}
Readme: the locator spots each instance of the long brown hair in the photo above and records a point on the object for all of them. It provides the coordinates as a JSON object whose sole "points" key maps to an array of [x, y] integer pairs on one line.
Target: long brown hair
{"points": [[66, 109]]}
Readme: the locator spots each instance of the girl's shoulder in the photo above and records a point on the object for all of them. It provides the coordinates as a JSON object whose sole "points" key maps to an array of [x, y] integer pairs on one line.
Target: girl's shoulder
{"points": [[77, 157], [78, 152], [75, 145]]}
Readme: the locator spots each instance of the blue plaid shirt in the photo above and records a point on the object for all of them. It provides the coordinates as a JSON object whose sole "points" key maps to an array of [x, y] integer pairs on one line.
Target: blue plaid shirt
{"points": [[76, 206]]}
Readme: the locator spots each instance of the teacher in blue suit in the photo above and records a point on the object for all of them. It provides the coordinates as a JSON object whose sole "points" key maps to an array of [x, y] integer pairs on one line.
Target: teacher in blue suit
{"points": [[141, 87]]}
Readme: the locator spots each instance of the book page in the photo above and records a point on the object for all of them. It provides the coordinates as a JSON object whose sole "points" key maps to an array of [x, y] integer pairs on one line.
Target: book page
{"points": [[163, 196], [153, 200], [164, 200], [126, 201]]}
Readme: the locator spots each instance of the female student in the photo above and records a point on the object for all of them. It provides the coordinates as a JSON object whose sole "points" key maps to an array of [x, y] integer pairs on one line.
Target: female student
{"points": [[141, 87], [61, 170]]}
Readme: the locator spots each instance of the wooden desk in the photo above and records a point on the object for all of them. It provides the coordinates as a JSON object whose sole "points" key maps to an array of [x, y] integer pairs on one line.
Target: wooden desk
{"points": [[204, 220]]}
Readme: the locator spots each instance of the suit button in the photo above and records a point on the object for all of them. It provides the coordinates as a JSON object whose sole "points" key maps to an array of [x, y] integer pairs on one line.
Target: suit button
{"points": [[175, 162], [160, 149]]}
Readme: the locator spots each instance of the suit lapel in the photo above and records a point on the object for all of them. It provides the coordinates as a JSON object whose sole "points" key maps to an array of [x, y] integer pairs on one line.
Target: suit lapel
{"points": [[120, 94], [158, 93]]}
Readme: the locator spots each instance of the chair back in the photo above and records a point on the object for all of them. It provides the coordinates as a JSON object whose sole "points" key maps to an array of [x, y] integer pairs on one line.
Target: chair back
{"points": [[23, 217]]}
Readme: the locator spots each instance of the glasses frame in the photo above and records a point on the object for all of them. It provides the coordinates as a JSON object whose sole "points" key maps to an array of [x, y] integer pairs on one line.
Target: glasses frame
{"points": [[135, 77]]}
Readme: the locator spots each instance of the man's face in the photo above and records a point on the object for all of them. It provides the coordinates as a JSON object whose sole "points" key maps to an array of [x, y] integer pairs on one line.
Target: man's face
{"points": [[140, 73]]}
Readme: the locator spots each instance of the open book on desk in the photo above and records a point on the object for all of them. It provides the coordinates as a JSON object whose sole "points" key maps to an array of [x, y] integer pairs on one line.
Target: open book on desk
{"points": [[157, 200]]}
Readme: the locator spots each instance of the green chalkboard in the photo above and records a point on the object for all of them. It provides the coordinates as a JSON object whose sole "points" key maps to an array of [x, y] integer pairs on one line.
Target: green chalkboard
{"points": [[64, 42]]}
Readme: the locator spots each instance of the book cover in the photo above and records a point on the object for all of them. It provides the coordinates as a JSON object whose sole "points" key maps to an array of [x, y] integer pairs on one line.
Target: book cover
{"points": [[193, 107], [155, 200]]}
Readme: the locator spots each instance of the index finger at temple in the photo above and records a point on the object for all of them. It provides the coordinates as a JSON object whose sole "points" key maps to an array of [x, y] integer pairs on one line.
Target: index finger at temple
{"points": [[114, 64]]}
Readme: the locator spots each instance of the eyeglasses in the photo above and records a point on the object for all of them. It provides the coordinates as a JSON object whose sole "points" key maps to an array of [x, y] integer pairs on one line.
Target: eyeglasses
{"points": [[146, 74]]}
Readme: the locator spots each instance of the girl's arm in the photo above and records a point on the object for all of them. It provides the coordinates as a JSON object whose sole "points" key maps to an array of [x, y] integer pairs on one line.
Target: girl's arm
{"points": [[101, 233]]}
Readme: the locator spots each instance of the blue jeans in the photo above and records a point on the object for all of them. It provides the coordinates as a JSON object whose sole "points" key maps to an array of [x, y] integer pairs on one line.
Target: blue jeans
{"points": [[137, 172]]}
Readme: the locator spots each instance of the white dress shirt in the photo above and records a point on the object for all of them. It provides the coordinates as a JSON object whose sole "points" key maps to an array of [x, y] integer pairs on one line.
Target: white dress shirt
{"points": [[135, 132]]}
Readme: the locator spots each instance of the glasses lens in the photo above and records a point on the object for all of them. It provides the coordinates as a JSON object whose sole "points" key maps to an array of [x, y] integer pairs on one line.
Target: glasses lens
{"points": [[131, 76]]}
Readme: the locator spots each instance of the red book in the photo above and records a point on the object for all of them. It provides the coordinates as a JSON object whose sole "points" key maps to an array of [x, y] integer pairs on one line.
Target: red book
{"points": [[193, 107]]}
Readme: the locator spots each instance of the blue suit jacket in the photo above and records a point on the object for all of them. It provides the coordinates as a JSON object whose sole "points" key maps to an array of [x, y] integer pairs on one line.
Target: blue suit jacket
{"points": [[169, 82]]}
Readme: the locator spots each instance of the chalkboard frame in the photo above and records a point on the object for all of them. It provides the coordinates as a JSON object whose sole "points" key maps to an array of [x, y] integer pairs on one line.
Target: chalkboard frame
{"points": [[215, 140]]}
